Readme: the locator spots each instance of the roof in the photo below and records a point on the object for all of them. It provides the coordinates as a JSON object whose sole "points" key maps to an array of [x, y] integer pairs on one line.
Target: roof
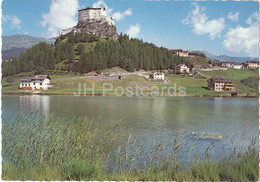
{"points": [[25, 79], [252, 62], [180, 65], [175, 50], [217, 79], [37, 77], [227, 62], [41, 77], [158, 73], [237, 63], [89, 8]]}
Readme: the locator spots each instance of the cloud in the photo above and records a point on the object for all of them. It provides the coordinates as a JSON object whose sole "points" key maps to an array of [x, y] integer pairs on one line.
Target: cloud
{"points": [[201, 25], [233, 17], [243, 39], [134, 30], [102, 4], [119, 16], [251, 18], [62, 15], [15, 21]]}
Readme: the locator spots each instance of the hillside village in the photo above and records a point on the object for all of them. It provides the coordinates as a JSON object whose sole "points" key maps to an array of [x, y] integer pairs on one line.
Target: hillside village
{"points": [[79, 50]]}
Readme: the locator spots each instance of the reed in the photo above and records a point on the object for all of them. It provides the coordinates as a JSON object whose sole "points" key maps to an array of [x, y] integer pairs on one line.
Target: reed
{"points": [[75, 148]]}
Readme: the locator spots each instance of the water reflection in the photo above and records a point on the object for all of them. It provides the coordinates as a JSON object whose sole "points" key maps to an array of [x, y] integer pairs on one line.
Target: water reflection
{"points": [[35, 103], [155, 119]]}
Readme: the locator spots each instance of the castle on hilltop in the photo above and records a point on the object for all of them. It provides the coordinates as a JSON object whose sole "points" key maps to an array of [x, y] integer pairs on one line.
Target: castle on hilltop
{"points": [[92, 14], [93, 21]]}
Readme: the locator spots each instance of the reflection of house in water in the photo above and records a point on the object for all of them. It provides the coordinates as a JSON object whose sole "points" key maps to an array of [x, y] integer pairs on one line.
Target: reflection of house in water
{"points": [[35, 103], [158, 110]]}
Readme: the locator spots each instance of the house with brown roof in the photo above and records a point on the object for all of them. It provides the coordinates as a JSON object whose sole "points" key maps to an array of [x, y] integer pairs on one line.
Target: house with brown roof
{"points": [[221, 84], [182, 68], [38, 82], [237, 66], [252, 64], [158, 75], [227, 64]]}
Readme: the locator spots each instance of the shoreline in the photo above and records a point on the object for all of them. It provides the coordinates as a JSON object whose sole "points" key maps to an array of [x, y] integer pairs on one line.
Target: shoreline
{"points": [[109, 94]]}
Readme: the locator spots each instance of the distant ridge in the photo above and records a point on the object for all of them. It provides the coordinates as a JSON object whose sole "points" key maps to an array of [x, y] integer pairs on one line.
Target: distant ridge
{"points": [[225, 57], [14, 45]]}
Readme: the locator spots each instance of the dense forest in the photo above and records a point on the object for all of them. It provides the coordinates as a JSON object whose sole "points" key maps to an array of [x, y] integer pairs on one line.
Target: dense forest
{"points": [[94, 53]]}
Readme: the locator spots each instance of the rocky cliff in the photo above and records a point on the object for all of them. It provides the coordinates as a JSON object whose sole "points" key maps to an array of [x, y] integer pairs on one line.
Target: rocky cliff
{"points": [[95, 27]]}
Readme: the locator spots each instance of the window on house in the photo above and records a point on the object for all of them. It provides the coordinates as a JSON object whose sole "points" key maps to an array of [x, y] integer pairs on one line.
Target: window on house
{"points": [[40, 83]]}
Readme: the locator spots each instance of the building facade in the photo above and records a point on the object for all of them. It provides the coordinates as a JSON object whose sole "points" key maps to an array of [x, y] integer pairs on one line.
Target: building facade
{"points": [[97, 14], [227, 64], [159, 75], [39, 82], [221, 84], [180, 52], [237, 66], [182, 68], [252, 64]]}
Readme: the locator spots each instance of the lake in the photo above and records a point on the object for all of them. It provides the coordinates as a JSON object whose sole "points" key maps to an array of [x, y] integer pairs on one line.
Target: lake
{"points": [[153, 119]]}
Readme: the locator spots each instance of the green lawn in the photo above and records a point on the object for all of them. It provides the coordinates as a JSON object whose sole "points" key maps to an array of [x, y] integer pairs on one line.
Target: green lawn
{"points": [[234, 74], [196, 86]]}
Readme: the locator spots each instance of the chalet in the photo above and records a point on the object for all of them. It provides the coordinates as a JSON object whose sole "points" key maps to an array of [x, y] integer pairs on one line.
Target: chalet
{"points": [[182, 68], [252, 64], [180, 52], [244, 66], [227, 64], [158, 75], [237, 66], [38, 82], [221, 84]]}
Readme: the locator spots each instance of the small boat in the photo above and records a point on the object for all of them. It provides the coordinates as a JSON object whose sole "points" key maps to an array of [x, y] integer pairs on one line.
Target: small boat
{"points": [[207, 135]]}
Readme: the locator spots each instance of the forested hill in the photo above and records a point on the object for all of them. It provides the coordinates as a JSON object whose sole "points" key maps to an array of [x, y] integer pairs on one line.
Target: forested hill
{"points": [[93, 53]]}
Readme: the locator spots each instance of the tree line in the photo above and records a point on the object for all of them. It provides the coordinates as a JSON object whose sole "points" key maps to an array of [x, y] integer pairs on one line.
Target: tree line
{"points": [[128, 53]]}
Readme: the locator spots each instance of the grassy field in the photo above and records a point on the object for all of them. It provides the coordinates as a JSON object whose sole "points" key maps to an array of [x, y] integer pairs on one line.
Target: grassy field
{"points": [[234, 74], [198, 86], [55, 148], [69, 84]]}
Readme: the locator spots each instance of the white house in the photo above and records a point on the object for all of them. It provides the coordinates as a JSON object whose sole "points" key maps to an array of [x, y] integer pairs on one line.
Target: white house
{"points": [[182, 68], [237, 66], [39, 82], [252, 64], [227, 64], [159, 75]]}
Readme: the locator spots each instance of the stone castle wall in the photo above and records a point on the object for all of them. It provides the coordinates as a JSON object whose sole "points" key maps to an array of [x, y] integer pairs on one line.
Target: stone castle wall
{"points": [[95, 22]]}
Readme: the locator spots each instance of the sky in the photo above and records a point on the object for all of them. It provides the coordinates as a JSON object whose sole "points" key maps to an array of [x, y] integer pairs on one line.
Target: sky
{"points": [[219, 27]]}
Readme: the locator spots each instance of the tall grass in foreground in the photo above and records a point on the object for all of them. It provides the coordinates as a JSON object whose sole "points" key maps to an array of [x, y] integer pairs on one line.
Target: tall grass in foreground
{"points": [[58, 148]]}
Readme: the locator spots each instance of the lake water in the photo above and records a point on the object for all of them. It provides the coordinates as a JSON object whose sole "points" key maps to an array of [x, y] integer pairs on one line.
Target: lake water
{"points": [[156, 118]]}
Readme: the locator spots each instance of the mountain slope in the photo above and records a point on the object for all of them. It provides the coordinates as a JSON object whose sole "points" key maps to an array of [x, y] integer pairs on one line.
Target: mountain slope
{"points": [[14, 45], [225, 58]]}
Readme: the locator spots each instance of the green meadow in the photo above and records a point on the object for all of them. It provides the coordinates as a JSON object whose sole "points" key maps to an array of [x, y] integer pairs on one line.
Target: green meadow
{"points": [[246, 82]]}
